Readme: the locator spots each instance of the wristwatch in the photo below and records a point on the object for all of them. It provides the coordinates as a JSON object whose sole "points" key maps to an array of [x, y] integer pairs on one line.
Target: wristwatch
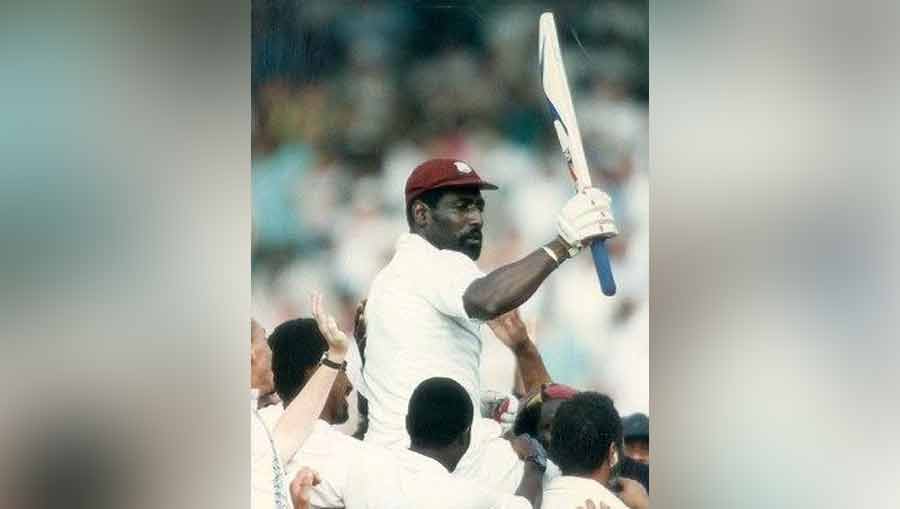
{"points": [[340, 366], [538, 460]]}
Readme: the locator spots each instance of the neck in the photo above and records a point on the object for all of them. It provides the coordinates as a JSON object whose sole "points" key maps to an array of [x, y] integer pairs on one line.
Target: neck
{"points": [[440, 455], [601, 475]]}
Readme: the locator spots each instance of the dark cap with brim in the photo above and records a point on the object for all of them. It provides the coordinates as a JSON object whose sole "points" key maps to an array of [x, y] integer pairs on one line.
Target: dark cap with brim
{"points": [[636, 426], [438, 173]]}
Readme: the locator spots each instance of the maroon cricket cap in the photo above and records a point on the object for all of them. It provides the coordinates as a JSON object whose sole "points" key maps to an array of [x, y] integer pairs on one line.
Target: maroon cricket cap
{"points": [[436, 173]]}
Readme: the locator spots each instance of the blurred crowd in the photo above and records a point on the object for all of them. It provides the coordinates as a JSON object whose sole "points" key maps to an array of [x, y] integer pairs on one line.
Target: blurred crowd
{"points": [[347, 98]]}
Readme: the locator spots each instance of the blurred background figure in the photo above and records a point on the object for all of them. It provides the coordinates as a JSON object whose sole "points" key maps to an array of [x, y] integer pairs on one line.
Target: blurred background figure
{"points": [[637, 437], [347, 100]]}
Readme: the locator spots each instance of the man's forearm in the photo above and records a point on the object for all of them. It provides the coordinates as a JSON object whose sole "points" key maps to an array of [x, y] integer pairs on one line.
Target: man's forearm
{"points": [[531, 486], [296, 423], [531, 366], [510, 286]]}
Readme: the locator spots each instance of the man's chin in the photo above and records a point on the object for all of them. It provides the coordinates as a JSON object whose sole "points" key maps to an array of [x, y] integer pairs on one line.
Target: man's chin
{"points": [[472, 251]]}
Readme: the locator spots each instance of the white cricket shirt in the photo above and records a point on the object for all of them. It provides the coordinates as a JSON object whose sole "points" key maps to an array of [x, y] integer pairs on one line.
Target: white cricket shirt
{"points": [[417, 328], [403, 479], [567, 492], [327, 451]]}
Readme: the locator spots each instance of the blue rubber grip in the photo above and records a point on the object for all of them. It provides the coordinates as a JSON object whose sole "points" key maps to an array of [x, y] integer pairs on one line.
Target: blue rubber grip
{"points": [[604, 271]]}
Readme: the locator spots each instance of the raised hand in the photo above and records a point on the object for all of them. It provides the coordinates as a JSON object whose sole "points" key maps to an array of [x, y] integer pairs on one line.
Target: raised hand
{"points": [[337, 340], [510, 330]]}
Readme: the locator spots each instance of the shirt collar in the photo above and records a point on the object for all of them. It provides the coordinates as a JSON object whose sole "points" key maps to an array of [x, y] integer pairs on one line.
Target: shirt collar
{"points": [[424, 464], [580, 484]]}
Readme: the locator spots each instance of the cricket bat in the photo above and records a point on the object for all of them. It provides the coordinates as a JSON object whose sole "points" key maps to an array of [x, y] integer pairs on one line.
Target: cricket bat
{"points": [[559, 96]]}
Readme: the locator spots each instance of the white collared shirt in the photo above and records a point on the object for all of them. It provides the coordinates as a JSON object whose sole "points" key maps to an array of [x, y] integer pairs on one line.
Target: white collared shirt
{"points": [[417, 328], [402, 479], [269, 484], [327, 451], [568, 492]]}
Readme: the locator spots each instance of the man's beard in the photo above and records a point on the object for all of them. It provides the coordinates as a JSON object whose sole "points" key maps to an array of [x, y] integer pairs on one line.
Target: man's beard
{"points": [[469, 247]]}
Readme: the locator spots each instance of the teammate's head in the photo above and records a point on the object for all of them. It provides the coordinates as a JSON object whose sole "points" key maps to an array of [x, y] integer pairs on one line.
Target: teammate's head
{"points": [[636, 430], [444, 205], [587, 436], [261, 377], [297, 347], [439, 420], [539, 409]]}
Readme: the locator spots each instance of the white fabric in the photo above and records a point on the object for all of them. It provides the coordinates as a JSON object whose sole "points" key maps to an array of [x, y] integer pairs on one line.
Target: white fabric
{"points": [[357, 475], [586, 215], [568, 492], [403, 479], [327, 451], [490, 460], [417, 329], [263, 482]]}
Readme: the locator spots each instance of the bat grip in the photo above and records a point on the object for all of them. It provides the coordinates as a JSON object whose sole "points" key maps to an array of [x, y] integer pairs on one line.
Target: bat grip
{"points": [[604, 271]]}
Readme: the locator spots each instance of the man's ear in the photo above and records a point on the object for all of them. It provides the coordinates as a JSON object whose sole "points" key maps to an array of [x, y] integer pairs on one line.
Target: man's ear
{"points": [[421, 213], [613, 455]]}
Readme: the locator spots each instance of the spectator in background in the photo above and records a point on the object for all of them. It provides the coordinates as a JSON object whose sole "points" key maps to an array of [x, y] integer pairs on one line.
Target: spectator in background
{"points": [[585, 443], [637, 437]]}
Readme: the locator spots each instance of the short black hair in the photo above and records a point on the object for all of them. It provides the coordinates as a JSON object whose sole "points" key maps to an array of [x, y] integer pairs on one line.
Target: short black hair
{"points": [[440, 411], [430, 197], [583, 429], [527, 420], [297, 345]]}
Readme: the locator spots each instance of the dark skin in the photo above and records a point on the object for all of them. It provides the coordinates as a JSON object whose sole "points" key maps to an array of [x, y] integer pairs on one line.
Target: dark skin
{"points": [[455, 223], [450, 455], [337, 408]]}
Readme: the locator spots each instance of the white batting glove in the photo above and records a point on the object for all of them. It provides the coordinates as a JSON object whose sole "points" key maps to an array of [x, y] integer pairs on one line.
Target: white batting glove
{"points": [[500, 407], [585, 217], [506, 413]]}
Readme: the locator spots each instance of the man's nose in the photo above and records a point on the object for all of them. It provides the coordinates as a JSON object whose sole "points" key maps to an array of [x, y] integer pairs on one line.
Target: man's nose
{"points": [[476, 217]]}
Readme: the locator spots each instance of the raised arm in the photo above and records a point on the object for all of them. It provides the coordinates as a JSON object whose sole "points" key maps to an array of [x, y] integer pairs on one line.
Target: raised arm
{"points": [[296, 423], [510, 286], [511, 331], [585, 217]]}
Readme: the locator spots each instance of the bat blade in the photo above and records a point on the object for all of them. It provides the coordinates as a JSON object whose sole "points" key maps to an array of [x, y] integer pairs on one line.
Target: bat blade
{"points": [[559, 97], [557, 91]]}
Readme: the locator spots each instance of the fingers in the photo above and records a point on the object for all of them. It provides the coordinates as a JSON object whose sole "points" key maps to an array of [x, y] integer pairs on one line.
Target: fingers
{"points": [[301, 484]]}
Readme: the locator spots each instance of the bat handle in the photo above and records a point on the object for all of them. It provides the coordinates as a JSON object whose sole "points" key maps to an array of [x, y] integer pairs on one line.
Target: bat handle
{"points": [[604, 271]]}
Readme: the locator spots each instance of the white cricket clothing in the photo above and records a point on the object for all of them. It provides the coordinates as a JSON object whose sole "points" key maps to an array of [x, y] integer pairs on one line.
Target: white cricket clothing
{"points": [[327, 451], [417, 328], [268, 481], [403, 479], [566, 492]]}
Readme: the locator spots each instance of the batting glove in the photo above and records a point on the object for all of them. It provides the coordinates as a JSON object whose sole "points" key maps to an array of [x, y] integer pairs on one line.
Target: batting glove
{"points": [[501, 408], [585, 217]]}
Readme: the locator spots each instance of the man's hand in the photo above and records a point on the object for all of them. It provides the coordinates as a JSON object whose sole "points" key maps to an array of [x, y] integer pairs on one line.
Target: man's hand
{"points": [[500, 407], [585, 217], [337, 340], [301, 486], [632, 493], [529, 449], [359, 328], [510, 330]]}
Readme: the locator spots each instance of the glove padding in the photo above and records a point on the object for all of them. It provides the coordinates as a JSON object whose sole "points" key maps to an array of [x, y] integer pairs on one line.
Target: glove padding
{"points": [[501, 408], [585, 217]]}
